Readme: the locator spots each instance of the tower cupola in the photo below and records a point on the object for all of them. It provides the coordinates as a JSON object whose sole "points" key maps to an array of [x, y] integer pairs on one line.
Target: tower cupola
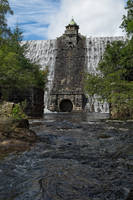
{"points": [[72, 28]]}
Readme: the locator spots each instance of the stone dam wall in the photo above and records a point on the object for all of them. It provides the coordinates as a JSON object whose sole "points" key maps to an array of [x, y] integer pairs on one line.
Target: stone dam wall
{"points": [[67, 58]]}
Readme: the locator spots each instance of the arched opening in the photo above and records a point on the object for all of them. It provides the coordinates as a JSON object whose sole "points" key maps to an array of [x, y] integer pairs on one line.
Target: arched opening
{"points": [[66, 105]]}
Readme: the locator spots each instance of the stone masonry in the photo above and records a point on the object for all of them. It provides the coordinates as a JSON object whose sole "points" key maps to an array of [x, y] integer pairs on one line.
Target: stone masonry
{"points": [[67, 57], [67, 93]]}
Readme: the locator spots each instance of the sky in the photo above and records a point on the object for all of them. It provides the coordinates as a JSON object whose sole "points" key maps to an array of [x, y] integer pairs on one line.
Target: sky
{"points": [[46, 19]]}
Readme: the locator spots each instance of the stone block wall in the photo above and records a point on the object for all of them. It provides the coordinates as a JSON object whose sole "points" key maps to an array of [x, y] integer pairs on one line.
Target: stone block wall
{"points": [[69, 72], [76, 101]]}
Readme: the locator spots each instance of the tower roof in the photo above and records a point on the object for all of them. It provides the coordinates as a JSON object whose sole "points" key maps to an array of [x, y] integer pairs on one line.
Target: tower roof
{"points": [[72, 22]]}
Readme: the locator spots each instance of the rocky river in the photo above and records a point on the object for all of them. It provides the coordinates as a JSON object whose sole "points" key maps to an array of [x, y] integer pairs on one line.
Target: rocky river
{"points": [[76, 157]]}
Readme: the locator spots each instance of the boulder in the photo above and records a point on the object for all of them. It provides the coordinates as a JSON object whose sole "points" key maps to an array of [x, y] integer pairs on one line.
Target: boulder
{"points": [[15, 134], [6, 109], [17, 129]]}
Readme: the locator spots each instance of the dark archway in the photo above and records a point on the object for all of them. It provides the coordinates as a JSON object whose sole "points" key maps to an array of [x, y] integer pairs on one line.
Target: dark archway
{"points": [[66, 105]]}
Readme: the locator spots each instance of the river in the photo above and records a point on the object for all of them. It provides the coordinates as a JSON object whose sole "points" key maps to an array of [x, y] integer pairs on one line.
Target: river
{"points": [[77, 157]]}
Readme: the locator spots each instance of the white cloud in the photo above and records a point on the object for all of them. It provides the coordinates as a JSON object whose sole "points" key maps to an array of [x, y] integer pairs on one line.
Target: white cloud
{"points": [[32, 16], [95, 17]]}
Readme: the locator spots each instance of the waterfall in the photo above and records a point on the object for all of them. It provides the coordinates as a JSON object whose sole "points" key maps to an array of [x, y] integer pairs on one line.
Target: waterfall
{"points": [[95, 48], [43, 52]]}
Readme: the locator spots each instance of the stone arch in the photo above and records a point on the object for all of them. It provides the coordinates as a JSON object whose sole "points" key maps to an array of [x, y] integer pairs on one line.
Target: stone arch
{"points": [[66, 105]]}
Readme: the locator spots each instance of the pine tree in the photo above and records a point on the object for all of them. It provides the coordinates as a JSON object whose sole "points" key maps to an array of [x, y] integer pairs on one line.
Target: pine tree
{"points": [[16, 71], [4, 10]]}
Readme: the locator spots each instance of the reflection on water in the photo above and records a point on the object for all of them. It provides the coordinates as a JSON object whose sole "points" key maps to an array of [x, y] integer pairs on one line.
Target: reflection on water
{"points": [[75, 117]]}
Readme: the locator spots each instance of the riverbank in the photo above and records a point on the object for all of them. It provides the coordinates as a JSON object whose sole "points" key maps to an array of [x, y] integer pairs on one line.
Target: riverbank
{"points": [[15, 135]]}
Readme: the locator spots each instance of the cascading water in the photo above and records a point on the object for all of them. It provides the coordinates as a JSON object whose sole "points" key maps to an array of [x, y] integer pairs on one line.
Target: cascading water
{"points": [[44, 52], [95, 48]]}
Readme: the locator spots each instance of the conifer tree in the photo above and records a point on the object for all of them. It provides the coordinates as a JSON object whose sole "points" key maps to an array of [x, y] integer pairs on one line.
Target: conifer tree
{"points": [[16, 71], [4, 10]]}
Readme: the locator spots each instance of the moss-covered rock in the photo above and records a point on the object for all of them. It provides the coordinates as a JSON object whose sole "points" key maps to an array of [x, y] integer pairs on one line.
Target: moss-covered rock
{"points": [[15, 134]]}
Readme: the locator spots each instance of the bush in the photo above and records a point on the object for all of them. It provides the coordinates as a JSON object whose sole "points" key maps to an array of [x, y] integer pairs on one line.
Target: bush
{"points": [[18, 113]]}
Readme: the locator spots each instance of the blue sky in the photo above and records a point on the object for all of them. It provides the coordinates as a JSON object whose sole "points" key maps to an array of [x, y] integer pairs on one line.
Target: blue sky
{"points": [[46, 19]]}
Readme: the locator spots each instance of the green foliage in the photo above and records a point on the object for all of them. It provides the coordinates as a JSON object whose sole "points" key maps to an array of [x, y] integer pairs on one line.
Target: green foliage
{"points": [[114, 83], [16, 71], [18, 113], [127, 23], [92, 83], [4, 10]]}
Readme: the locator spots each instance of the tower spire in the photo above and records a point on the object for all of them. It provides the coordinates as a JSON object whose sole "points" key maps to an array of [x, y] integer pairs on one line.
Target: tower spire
{"points": [[72, 22]]}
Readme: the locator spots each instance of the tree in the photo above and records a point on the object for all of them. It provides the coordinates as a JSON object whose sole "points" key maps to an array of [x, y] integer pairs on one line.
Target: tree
{"points": [[16, 71], [127, 23], [115, 81], [4, 10]]}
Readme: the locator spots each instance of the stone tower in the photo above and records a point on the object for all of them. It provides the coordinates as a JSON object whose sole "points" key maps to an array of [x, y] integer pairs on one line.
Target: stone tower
{"points": [[67, 93]]}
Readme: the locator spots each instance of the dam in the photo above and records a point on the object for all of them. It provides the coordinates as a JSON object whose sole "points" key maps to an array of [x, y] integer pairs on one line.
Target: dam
{"points": [[68, 57]]}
